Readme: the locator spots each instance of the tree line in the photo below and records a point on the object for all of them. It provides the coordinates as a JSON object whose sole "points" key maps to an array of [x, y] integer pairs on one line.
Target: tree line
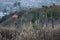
{"points": [[44, 14]]}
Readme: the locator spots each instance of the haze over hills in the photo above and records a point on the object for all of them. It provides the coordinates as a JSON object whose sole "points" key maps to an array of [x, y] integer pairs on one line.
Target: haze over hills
{"points": [[28, 3]]}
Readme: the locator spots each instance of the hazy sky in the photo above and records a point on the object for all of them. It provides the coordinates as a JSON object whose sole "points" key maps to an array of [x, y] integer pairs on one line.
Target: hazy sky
{"points": [[30, 2], [27, 3]]}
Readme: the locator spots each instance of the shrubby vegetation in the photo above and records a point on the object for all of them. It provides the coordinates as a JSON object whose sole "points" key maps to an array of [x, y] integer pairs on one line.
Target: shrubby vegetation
{"points": [[45, 14], [37, 18]]}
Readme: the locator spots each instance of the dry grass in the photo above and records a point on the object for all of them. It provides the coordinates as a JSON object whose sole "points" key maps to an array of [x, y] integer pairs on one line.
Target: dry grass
{"points": [[29, 33]]}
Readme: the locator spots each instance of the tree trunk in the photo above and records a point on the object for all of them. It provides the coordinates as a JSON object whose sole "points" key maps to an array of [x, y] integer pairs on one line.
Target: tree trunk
{"points": [[52, 23], [41, 23]]}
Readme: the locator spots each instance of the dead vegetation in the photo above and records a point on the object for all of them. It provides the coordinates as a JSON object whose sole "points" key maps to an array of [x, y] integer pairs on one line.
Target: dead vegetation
{"points": [[25, 34]]}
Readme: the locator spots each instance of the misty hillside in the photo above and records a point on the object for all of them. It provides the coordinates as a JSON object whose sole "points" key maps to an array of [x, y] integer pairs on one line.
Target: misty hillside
{"points": [[34, 22], [34, 14]]}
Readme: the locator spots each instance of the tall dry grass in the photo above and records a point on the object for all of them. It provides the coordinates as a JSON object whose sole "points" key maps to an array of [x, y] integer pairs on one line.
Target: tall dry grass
{"points": [[29, 33]]}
